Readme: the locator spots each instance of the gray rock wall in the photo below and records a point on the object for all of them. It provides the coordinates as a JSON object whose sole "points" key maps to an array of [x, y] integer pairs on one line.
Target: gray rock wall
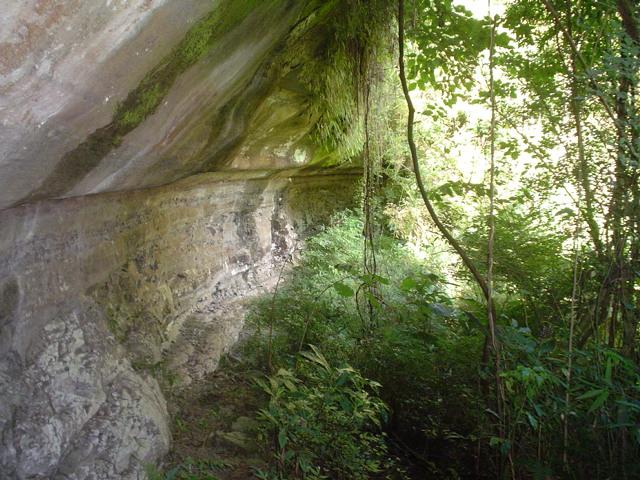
{"points": [[154, 168], [96, 290], [63, 67], [110, 95]]}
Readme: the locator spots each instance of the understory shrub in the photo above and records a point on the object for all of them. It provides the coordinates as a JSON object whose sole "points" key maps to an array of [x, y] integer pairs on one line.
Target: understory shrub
{"points": [[425, 349], [323, 422]]}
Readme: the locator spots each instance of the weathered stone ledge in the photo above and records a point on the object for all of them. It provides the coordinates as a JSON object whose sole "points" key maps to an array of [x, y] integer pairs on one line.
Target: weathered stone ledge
{"points": [[96, 290]]}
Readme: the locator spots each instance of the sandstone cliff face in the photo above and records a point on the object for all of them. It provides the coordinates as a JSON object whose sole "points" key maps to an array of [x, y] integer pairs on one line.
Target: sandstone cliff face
{"points": [[154, 164]]}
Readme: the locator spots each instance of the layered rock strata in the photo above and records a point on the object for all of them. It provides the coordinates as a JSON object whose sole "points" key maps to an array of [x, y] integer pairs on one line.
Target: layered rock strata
{"points": [[156, 164], [96, 291]]}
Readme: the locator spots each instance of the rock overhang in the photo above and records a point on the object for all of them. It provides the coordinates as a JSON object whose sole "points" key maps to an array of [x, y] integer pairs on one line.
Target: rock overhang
{"points": [[122, 106], [158, 159]]}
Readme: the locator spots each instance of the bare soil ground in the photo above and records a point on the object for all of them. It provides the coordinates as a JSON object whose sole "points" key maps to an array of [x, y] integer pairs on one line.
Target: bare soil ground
{"points": [[214, 434]]}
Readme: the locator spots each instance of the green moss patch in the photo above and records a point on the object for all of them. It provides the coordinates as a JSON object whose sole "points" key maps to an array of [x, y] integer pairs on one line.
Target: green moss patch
{"points": [[145, 98]]}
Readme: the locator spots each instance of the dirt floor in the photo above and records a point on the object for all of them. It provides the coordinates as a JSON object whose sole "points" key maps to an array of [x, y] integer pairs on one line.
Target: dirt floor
{"points": [[214, 434]]}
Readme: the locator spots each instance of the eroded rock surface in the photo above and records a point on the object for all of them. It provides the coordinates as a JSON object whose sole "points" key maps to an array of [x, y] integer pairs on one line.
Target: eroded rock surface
{"points": [[101, 291], [113, 95], [63, 67], [156, 167], [73, 407]]}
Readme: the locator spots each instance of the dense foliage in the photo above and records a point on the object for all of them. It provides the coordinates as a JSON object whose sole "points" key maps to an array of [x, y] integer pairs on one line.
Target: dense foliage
{"points": [[322, 421], [547, 91], [495, 335], [425, 353]]}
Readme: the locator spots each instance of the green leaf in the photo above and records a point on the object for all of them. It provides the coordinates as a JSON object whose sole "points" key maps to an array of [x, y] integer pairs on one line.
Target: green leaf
{"points": [[538, 410], [565, 212], [633, 405], [532, 421], [381, 280], [590, 394], [282, 439], [343, 290], [505, 447], [316, 357], [599, 401], [408, 284]]}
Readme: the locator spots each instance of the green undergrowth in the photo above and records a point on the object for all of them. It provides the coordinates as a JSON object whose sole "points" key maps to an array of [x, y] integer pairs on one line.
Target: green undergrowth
{"points": [[351, 375], [403, 336], [322, 422], [403, 329]]}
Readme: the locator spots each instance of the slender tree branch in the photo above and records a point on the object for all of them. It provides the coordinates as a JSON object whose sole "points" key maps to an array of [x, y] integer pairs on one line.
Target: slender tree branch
{"points": [[444, 231], [466, 260], [593, 230], [592, 81], [492, 194]]}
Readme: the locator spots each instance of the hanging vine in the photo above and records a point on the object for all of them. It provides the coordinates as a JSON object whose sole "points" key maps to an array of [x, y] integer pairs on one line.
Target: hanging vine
{"points": [[503, 423], [369, 195]]}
